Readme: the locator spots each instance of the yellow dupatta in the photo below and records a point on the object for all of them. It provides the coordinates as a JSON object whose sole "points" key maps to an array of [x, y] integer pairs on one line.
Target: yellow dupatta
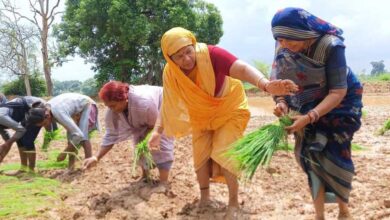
{"points": [[189, 105]]}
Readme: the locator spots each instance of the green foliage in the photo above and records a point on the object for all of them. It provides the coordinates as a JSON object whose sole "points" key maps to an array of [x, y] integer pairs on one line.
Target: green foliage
{"points": [[90, 87], [357, 147], [21, 199], [60, 87], [49, 164], [256, 148], [122, 37], [386, 127], [383, 77], [49, 136], [263, 67], [143, 155], [17, 87]]}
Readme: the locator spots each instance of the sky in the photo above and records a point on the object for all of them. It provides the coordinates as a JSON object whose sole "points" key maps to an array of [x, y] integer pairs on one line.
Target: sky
{"points": [[247, 31]]}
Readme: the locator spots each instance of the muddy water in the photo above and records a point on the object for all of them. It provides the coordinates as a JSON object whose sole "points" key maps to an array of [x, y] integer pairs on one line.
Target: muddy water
{"points": [[264, 105]]}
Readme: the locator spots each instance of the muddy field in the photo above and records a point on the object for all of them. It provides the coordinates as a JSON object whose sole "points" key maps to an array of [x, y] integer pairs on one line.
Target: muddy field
{"points": [[108, 191]]}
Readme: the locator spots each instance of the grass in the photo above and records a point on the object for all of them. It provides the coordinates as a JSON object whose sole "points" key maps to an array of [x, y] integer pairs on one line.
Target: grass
{"points": [[384, 77], [21, 199], [31, 194], [49, 164]]}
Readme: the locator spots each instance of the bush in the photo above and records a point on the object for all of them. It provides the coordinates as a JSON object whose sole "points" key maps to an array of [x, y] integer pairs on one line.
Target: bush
{"points": [[17, 87]]}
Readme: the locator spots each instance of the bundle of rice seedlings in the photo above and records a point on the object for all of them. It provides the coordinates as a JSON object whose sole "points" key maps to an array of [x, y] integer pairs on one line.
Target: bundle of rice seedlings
{"points": [[256, 148], [141, 152], [49, 136]]}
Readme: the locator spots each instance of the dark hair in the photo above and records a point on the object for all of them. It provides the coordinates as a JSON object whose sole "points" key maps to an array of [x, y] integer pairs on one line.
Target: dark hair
{"points": [[36, 114]]}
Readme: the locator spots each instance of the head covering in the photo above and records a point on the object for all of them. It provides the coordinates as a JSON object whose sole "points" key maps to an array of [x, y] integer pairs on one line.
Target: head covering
{"points": [[191, 103], [175, 39], [298, 24]]}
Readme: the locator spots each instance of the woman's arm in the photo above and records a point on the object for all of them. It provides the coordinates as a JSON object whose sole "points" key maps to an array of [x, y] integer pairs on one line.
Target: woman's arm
{"points": [[245, 72], [92, 161]]}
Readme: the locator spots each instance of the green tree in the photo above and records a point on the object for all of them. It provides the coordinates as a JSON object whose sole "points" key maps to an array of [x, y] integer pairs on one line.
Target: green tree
{"points": [[66, 86], [122, 37], [90, 87], [378, 67], [17, 87], [263, 67]]}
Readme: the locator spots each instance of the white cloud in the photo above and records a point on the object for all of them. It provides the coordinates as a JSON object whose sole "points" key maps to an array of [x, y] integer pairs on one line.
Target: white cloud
{"points": [[365, 23]]}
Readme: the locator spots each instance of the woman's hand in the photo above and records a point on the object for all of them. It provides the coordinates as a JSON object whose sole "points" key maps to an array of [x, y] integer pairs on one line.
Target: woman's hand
{"points": [[281, 87], [154, 141], [300, 121], [280, 109], [90, 162]]}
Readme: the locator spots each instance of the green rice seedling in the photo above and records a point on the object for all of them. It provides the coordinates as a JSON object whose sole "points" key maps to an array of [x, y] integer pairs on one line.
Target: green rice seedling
{"points": [[142, 153], [256, 148], [22, 198], [50, 136], [357, 147], [385, 127], [49, 164]]}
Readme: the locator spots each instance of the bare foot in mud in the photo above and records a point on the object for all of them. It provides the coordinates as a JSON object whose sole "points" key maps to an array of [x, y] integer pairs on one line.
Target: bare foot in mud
{"points": [[146, 192], [344, 216], [232, 213], [210, 205]]}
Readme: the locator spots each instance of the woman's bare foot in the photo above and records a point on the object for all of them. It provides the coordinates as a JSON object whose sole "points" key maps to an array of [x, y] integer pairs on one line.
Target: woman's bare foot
{"points": [[232, 213], [345, 216], [146, 192]]}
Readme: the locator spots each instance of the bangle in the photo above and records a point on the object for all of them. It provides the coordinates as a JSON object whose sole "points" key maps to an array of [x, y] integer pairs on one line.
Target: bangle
{"points": [[95, 158], [264, 86], [316, 114], [281, 100], [311, 119]]}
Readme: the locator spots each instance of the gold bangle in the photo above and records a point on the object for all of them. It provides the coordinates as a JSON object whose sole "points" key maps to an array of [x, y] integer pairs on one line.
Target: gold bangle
{"points": [[258, 82]]}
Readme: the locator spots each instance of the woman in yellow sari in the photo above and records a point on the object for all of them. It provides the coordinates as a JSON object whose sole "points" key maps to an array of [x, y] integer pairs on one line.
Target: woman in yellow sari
{"points": [[203, 96]]}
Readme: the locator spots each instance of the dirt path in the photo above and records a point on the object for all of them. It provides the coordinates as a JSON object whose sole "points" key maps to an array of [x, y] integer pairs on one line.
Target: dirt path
{"points": [[109, 192]]}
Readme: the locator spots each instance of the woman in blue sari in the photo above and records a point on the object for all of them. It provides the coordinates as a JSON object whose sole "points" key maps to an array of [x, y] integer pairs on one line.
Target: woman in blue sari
{"points": [[311, 52]]}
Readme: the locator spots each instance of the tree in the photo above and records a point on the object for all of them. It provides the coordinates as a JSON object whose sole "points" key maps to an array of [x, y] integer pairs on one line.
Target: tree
{"points": [[378, 67], [66, 86], [16, 87], [17, 49], [122, 37], [90, 87], [46, 12]]}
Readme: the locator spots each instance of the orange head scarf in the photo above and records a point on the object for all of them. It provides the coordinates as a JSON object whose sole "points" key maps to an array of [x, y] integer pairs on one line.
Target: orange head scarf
{"points": [[191, 104]]}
